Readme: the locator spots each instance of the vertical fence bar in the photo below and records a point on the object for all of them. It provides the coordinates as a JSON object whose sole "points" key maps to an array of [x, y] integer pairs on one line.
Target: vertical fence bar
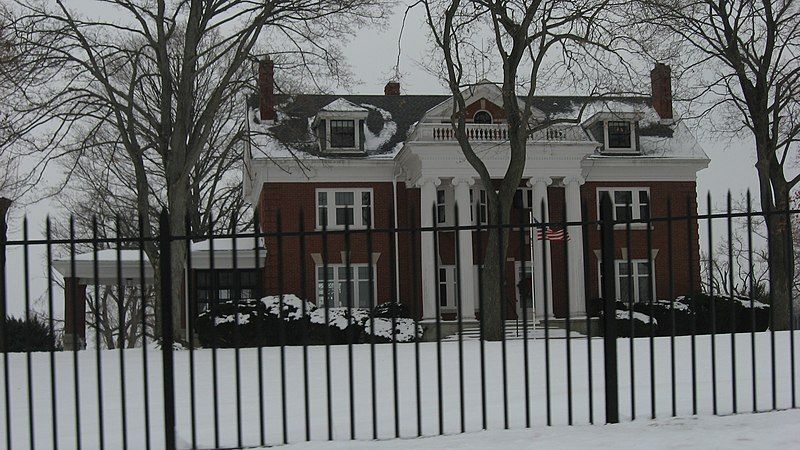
{"points": [[351, 335], [589, 374], [481, 317], [751, 294], [26, 274], [732, 306], [3, 327], [167, 338], [281, 326], [567, 322], [121, 333], [713, 308], [651, 283], [393, 251], [98, 346], [190, 324], [393, 268], [373, 390], [524, 307], [609, 309], [304, 312], [51, 328], [237, 297], [545, 301], [791, 262], [214, 312], [503, 311], [671, 294], [415, 284], [76, 343], [692, 294], [629, 292], [437, 278], [262, 427], [326, 306], [457, 239], [143, 312]]}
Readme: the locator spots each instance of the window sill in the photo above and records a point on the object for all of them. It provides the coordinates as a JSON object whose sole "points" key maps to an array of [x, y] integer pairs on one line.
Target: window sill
{"points": [[339, 228], [634, 226]]}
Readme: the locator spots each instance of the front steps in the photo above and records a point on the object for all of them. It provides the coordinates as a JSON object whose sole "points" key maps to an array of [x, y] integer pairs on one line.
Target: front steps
{"points": [[515, 329]]}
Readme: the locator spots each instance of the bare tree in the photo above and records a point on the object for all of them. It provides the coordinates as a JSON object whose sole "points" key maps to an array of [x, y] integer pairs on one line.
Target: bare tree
{"points": [[743, 55], [530, 39], [155, 77]]}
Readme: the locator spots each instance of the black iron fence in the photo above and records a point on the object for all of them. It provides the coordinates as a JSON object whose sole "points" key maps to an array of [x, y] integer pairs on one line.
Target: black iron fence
{"points": [[265, 361]]}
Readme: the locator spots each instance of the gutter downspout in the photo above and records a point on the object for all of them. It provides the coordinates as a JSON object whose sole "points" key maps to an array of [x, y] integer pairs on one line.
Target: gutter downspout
{"points": [[396, 244]]}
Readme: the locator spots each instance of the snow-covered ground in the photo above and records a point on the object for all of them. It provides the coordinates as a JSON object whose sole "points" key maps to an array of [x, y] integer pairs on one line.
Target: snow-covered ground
{"points": [[744, 431], [43, 411]]}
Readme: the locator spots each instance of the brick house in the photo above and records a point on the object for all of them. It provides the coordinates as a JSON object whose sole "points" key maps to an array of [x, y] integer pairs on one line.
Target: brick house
{"points": [[392, 160]]}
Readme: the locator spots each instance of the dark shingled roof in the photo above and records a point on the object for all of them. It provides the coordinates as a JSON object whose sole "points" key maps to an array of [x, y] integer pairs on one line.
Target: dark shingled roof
{"points": [[409, 109]]}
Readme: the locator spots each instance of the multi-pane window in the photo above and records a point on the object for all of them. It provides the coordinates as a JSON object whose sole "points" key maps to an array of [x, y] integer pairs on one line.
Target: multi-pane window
{"points": [[343, 290], [619, 134], [340, 208], [448, 286], [628, 203], [343, 133], [441, 206], [482, 117], [477, 201], [217, 285], [632, 278]]}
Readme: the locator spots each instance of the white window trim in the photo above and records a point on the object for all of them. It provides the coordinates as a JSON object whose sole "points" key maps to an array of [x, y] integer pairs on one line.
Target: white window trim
{"points": [[631, 149], [356, 130], [634, 278], [635, 205], [357, 208], [451, 283], [342, 302]]}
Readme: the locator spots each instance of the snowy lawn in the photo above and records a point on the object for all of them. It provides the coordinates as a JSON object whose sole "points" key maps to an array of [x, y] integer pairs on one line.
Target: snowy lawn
{"points": [[744, 431], [295, 400]]}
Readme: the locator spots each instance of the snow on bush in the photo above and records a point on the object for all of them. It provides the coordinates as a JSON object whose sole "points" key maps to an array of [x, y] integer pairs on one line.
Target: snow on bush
{"points": [[340, 317], [292, 306], [626, 315], [404, 330], [244, 319]]}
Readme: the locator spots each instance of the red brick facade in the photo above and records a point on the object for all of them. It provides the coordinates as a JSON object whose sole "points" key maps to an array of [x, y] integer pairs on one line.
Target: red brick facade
{"points": [[289, 199]]}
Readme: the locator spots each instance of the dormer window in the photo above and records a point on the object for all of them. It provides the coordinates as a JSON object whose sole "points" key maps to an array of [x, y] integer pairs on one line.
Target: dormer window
{"points": [[482, 117], [343, 134], [619, 135]]}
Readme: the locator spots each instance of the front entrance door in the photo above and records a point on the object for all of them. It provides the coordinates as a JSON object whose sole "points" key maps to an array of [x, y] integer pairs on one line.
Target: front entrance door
{"points": [[524, 290]]}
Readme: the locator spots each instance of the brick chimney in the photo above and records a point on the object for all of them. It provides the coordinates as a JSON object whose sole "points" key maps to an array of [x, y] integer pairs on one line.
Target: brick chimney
{"points": [[661, 86], [392, 88], [266, 89]]}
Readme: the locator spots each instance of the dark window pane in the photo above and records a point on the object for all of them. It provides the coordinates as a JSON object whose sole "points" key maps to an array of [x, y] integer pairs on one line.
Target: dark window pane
{"points": [[619, 134], [343, 134], [345, 198], [344, 216]]}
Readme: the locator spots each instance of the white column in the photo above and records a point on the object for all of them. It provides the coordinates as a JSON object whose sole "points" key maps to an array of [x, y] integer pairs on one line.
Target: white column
{"points": [[577, 303], [465, 264], [540, 277], [427, 200]]}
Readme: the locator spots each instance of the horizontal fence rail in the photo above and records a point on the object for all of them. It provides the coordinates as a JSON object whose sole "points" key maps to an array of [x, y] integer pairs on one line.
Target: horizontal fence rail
{"points": [[295, 329]]}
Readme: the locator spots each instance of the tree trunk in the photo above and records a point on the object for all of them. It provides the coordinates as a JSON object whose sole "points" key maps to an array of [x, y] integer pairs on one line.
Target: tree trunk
{"points": [[781, 267], [493, 284], [177, 197]]}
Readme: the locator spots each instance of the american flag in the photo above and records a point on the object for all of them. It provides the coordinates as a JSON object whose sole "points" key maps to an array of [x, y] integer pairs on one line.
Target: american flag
{"points": [[551, 234]]}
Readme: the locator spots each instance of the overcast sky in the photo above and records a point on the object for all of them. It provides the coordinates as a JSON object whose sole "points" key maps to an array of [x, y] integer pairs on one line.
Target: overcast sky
{"points": [[372, 55]]}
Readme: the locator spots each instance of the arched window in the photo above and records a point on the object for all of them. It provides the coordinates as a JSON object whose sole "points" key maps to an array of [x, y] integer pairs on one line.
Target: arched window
{"points": [[482, 117]]}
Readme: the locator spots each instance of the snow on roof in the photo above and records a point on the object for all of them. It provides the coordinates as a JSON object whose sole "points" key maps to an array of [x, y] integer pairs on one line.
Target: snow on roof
{"points": [[373, 141], [223, 244], [342, 105]]}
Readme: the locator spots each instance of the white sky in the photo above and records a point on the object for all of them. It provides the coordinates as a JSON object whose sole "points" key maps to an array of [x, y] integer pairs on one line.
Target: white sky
{"points": [[372, 55]]}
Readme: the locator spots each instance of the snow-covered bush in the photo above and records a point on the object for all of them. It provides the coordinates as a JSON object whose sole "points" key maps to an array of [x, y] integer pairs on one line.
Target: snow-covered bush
{"points": [[388, 310], [276, 320], [663, 311], [736, 315], [640, 326]]}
